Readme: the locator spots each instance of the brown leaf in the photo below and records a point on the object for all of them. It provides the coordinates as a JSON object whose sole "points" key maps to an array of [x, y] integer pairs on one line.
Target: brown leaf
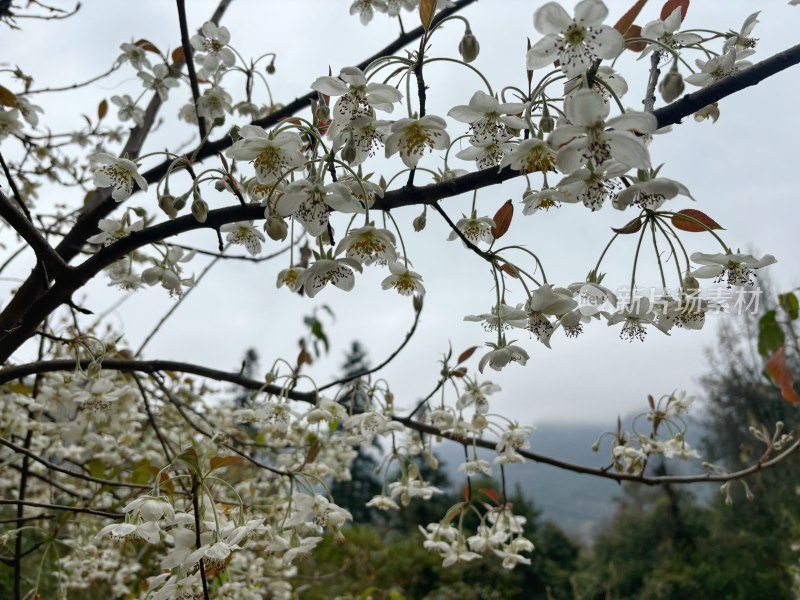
{"points": [[178, 55], [220, 462], [147, 45], [426, 10], [782, 376], [6, 97], [466, 354], [630, 227], [629, 17], [490, 493], [694, 221], [102, 109], [313, 452], [304, 358], [508, 269], [502, 220], [459, 372], [671, 5], [634, 31]]}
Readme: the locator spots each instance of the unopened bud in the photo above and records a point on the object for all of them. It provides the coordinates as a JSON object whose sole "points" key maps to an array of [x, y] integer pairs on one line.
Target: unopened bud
{"points": [[166, 202], [469, 47], [180, 202], [420, 222], [672, 86], [199, 209], [417, 302], [349, 152], [547, 123], [271, 67], [221, 186], [276, 229], [691, 286], [323, 113]]}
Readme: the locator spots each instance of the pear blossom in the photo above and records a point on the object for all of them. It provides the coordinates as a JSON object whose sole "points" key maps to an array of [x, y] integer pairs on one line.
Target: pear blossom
{"points": [[134, 54], [369, 245], [489, 120], [717, 68], [410, 137], [650, 194], [128, 111], [337, 271], [214, 104], [501, 355], [212, 47], [159, 81], [9, 122], [147, 531], [112, 230], [119, 173], [736, 269], [382, 502], [365, 9], [359, 139], [472, 468], [27, 110], [530, 156], [405, 281], [589, 137], [544, 199], [475, 229], [741, 40], [244, 233], [665, 33], [475, 395], [575, 43], [488, 153], [501, 317], [512, 440], [290, 278], [272, 154], [544, 302], [635, 316], [358, 98], [592, 186], [310, 202]]}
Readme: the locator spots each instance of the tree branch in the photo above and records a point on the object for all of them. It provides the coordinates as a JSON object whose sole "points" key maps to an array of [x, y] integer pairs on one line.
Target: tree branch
{"points": [[188, 55]]}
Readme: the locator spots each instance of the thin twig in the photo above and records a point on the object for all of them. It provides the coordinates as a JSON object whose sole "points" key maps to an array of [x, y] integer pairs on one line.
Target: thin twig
{"points": [[187, 52]]}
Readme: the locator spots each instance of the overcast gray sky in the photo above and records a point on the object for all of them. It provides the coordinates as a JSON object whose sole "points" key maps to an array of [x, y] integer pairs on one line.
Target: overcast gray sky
{"points": [[741, 170]]}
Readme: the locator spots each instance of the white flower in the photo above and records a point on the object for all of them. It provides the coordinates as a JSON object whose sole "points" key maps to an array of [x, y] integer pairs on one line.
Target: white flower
{"points": [[589, 137], [136, 55], [290, 278], [27, 110], [736, 269], [119, 173], [244, 233], [475, 393], [512, 440], [592, 186], [530, 156], [545, 199], [475, 229], [148, 531], [369, 245], [502, 355], [575, 43], [473, 467], [717, 68], [382, 502], [636, 315], [489, 119], [112, 230], [212, 47], [272, 155], [366, 9], [128, 111], [310, 202], [9, 122], [214, 103], [159, 81], [410, 137], [403, 280], [650, 194], [664, 32], [741, 40], [358, 139], [337, 271], [543, 303], [501, 317], [358, 98]]}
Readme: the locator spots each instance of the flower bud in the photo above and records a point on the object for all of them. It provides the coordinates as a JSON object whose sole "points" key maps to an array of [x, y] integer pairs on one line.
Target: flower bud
{"points": [[166, 202], [672, 86], [420, 222], [469, 47], [271, 67], [349, 152], [417, 302], [323, 113], [276, 228], [199, 209], [691, 286], [180, 202], [547, 123]]}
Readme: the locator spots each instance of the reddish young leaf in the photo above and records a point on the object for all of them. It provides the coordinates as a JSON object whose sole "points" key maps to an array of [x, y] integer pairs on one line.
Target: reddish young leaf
{"points": [[634, 31], [490, 493], [220, 462], [147, 45], [630, 227], [502, 220], [102, 109], [459, 372], [313, 452], [507, 268], [466, 354], [671, 5], [6, 97], [629, 17], [426, 10], [779, 371], [694, 221], [178, 55]]}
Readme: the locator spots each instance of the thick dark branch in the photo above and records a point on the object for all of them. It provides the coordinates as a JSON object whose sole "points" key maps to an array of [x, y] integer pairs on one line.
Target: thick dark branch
{"points": [[44, 252]]}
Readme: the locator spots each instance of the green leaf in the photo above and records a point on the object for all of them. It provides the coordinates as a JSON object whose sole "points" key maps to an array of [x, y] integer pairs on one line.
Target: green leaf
{"points": [[770, 334], [790, 305]]}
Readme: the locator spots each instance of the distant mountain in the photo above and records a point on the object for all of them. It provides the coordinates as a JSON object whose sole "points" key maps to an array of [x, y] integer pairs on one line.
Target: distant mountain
{"points": [[577, 503]]}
